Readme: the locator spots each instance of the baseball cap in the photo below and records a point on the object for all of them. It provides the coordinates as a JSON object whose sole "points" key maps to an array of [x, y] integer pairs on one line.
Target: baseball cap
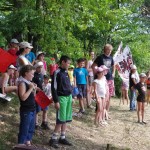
{"points": [[142, 75], [99, 69], [133, 67], [39, 53], [11, 67], [25, 45], [14, 41], [104, 67], [38, 64], [71, 66]]}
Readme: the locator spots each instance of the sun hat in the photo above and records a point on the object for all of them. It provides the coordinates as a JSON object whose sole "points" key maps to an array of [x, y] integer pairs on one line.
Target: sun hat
{"points": [[14, 41], [133, 67], [39, 53], [38, 64], [12, 67], [99, 69], [25, 45], [142, 75]]}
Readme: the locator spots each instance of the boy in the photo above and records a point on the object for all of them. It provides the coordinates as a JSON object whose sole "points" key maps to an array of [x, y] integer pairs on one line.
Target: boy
{"points": [[38, 79], [141, 88], [61, 93], [80, 80]]}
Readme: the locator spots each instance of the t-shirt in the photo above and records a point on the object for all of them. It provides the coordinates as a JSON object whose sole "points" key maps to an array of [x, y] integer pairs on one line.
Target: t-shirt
{"points": [[47, 89], [101, 87], [30, 57], [108, 62], [38, 79], [134, 76], [141, 88], [13, 51], [89, 64], [80, 74]]}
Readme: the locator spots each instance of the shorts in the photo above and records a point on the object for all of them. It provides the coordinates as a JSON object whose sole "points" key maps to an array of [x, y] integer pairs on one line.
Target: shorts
{"points": [[38, 108], [64, 114], [91, 79], [111, 87], [82, 91]]}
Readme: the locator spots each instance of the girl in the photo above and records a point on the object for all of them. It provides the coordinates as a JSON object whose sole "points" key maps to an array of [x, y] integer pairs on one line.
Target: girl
{"points": [[26, 91], [100, 93], [141, 88], [4, 88], [124, 91], [40, 57]]}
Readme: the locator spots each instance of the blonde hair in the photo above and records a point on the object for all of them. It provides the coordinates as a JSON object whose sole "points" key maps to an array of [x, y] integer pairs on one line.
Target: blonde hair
{"points": [[108, 46]]}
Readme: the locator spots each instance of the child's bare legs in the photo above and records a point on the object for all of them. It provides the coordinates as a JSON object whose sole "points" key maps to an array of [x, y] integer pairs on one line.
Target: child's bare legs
{"points": [[44, 116], [36, 119], [142, 111], [123, 96], [81, 104], [127, 96], [98, 117], [138, 110]]}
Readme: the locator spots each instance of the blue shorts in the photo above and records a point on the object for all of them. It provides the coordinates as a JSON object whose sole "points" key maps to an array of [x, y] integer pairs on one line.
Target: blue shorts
{"points": [[82, 90], [38, 108]]}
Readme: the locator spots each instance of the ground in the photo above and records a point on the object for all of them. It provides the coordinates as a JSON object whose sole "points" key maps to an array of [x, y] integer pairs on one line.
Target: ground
{"points": [[122, 131]]}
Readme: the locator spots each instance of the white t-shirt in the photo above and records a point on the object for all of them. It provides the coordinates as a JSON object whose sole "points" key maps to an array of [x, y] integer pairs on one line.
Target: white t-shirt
{"points": [[89, 64], [47, 89], [135, 76], [101, 87]]}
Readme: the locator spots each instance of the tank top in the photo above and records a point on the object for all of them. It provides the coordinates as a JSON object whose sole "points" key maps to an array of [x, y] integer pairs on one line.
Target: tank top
{"points": [[29, 103], [5, 83]]}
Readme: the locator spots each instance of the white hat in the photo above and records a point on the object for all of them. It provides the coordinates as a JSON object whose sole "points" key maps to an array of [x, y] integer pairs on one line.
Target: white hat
{"points": [[11, 67], [142, 75], [133, 67], [25, 45], [14, 41], [39, 53], [38, 64]]}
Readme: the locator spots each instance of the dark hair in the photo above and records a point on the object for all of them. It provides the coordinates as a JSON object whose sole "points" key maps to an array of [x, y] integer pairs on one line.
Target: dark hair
{"points": [[25, 69], [46, 77], [80, 60], [64, 58], [21, 50]]}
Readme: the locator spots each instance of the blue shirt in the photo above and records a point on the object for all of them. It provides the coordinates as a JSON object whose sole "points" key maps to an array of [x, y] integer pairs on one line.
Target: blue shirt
{"points": [[80, 74], [30, 57]]}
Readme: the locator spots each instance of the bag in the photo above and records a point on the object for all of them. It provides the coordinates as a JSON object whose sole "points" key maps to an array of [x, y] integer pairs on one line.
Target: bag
{"points": [[5, 98], [75, 91], [42, 100]]}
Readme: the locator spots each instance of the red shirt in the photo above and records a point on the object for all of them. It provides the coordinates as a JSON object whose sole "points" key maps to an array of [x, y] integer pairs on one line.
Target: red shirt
{"points": [[13, 51]]}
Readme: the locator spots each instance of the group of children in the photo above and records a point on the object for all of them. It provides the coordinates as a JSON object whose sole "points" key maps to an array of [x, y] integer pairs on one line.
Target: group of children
{"points": [[32, 78]]}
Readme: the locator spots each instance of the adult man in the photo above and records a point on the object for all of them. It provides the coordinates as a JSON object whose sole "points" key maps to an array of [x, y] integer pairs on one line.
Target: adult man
{"points": [[107, 60], [14, 47]]}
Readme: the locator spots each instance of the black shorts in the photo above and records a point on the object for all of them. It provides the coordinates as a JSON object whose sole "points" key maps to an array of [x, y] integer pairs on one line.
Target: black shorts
{"points": [[82, 90]]}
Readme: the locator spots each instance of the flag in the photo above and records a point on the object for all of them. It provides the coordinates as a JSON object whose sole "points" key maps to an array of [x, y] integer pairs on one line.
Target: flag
{"points": [[5, 60], [42, 99]]}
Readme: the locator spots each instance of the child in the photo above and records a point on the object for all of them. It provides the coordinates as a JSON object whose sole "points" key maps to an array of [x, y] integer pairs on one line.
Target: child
{"points": [[27, 106], [70, 72], [148, 88], [38, 79], [100, 94], [80, 80], [46, 86], [61, 93], [141, 88], [124, 91], [4, 87]]}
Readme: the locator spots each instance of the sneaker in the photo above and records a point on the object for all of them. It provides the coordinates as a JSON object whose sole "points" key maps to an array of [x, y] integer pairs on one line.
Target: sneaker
{"points": [[45, 126], [64, 142], [53, 143]]}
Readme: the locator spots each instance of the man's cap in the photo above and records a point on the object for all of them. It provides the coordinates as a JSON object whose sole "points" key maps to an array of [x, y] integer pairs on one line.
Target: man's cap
{"points": [[39, 53], [133, 67], [14, 41], [142, 75], [12, 67], [38, 64], [25, 45], [46, 76]]}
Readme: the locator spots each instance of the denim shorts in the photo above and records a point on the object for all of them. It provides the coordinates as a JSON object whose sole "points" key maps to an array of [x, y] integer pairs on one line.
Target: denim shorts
{"points": [[82, 90], [38, 108]]}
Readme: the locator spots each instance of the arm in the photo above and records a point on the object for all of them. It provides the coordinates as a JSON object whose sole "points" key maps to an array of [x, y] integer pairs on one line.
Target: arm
{"points": [[22, 91], [113, 71], [95, 90], [94, 65]]}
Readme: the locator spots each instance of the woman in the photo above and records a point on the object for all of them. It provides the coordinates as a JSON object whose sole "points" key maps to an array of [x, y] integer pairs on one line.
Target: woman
{"points": [[25, 48], [4, 87]]}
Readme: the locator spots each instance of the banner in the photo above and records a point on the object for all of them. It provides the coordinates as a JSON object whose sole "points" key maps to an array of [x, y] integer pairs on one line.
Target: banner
{"points": [[123, 62], [5, 60], [42, 99]]}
